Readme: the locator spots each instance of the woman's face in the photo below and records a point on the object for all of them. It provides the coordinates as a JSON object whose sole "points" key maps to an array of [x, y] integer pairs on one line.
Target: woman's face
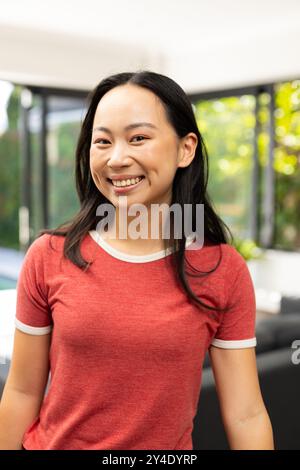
{"points": [[153, 151]]}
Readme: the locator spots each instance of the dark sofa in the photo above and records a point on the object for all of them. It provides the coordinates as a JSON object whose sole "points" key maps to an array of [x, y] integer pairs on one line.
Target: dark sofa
{"points": [[279, 379]]}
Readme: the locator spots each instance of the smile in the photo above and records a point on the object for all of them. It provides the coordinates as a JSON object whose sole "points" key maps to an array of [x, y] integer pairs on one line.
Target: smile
{"points": [[121, 186]]}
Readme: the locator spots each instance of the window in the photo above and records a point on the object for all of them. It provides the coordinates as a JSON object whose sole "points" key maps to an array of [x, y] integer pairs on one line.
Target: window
{"points": [[52, 121], [10, 161], [228, 128], [287, 165], [253, 142]]}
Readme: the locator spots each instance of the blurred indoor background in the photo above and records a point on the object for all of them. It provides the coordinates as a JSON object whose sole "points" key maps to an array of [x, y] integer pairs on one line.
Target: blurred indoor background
{"points": [[239, 64]]}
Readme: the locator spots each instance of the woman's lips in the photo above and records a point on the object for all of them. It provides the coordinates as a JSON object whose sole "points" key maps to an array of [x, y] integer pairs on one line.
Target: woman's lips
{"points": [[125, 189]]}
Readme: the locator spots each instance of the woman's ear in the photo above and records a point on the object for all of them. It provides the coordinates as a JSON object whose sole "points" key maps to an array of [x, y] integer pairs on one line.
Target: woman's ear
{"points": [[187, 150]]}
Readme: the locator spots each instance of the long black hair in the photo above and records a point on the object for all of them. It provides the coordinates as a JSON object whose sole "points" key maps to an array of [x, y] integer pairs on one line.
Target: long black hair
{"points": [[189, 184]]}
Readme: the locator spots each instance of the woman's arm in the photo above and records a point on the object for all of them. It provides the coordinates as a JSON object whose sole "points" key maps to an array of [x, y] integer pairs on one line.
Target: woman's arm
{"points": [[25, 387], [246, 421]]}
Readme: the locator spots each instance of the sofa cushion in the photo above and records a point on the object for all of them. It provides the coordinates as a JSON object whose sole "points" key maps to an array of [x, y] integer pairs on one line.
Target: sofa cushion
{"points": [[290, 304], [265, 338], [284, 329]]}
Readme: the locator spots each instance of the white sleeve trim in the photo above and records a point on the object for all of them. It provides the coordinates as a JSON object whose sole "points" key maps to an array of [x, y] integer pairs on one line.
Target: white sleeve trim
{"points": [[234, 344], [32, 330]]}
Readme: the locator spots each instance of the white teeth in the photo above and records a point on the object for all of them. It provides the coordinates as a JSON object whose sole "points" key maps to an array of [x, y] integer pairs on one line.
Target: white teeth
{"points": [[126, 182]]}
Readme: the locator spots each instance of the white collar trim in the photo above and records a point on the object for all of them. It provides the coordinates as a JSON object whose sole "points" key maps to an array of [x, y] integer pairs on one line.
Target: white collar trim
{"points": [[132, 258]]}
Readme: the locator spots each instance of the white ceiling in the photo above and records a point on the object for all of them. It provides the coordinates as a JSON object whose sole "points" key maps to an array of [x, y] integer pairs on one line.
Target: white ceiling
{"points": [[204, 44], [166, 24]]}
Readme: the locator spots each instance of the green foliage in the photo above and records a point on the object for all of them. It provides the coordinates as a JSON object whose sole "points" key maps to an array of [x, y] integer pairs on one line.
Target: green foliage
{"points": [[287, 165], [10, 175], [248, 249], [228, 126], [62, 174]]}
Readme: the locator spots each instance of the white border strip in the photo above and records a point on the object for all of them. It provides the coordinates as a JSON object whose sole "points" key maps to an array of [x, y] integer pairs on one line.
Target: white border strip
{"points": [[32, 330], [234, 344]]}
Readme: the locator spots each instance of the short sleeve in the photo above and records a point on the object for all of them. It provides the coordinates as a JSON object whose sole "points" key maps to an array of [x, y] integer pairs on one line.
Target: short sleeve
{"points": [[33, 314], [237, 327]]}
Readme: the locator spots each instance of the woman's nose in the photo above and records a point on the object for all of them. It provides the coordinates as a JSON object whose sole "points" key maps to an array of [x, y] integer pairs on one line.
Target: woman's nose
{"points": [[118, 157]]}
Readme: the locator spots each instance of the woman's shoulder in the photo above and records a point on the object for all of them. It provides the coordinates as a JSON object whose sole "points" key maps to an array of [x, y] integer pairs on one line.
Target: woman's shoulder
{"points": [[233, 258], [47, 239], [45, 245], [209, 253]]}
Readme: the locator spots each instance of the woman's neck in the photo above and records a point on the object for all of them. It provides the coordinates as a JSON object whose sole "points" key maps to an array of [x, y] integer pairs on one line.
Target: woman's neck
{"points": [[120, 235]]}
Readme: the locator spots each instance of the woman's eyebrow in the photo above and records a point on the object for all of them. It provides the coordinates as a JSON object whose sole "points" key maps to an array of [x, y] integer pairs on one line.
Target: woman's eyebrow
{"points": [[130, 126]]}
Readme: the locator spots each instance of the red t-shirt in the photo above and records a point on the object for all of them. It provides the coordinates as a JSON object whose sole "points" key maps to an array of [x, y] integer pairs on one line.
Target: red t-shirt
{"points": [[127, 345]]}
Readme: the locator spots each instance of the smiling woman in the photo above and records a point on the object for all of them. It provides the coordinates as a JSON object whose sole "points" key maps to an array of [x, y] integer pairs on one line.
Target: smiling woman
{"points": [[137, 148], [137, 318]]}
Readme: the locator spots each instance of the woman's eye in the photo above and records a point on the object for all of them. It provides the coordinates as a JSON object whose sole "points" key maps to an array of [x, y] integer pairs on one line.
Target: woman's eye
{"points": [[139, 136], [98, 141]]}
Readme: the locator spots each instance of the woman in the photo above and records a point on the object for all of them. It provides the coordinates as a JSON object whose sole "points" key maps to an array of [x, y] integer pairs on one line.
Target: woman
{"points": [[123, 323]]}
